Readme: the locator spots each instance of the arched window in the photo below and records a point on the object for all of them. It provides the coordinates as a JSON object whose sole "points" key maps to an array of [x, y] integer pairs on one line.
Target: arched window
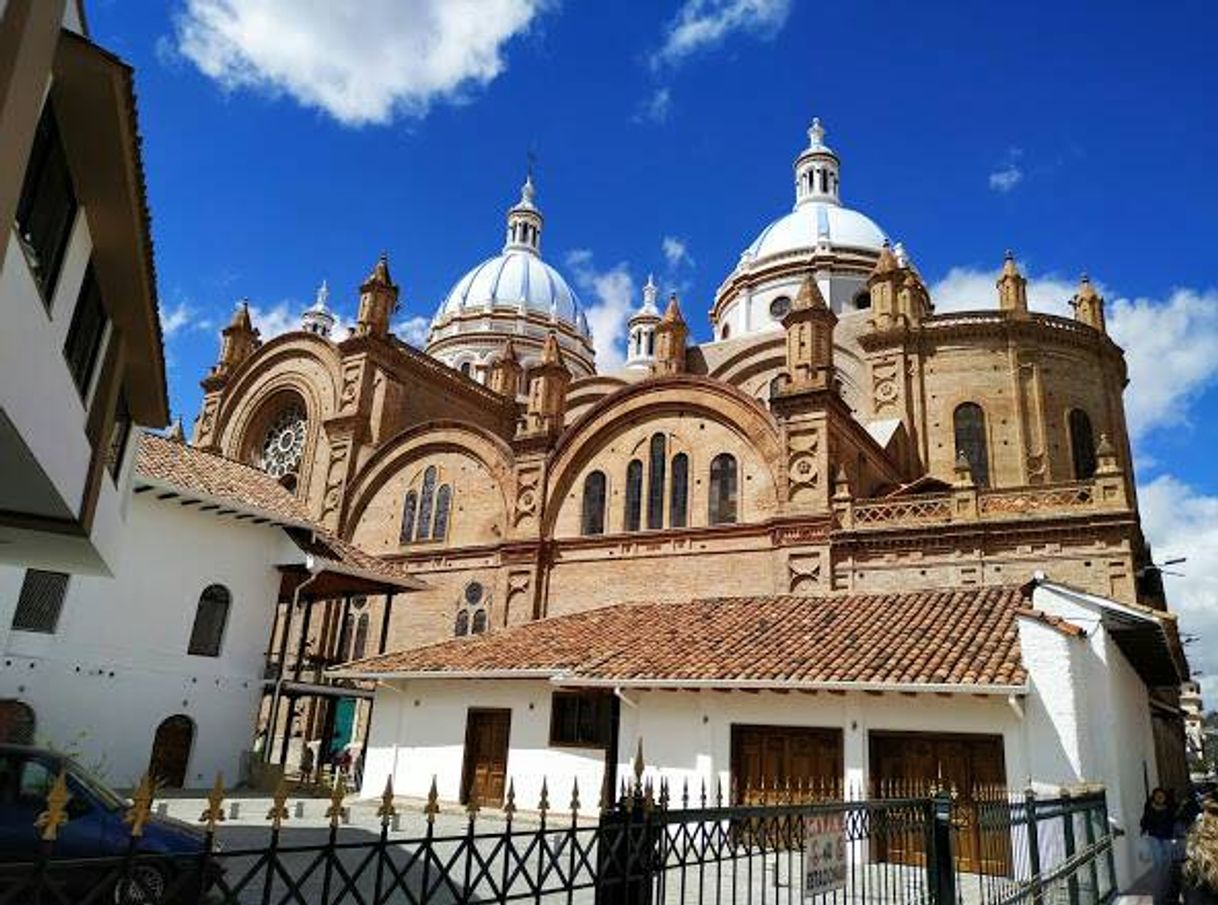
{"points": [[472, 615], [678, 504], [360, 646], [592, 519], [478, 624], [725, 332], [465, 366], [722, 508], [426, 500], [17, 723], [969, 423], [461, 627], [444, 497], [634, 494], [210, 618], [409, 507], [655, 482], [171, 751], [651, 344], [1082, 445]]}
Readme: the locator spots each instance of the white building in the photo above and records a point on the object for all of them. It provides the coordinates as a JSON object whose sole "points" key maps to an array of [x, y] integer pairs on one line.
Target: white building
{"points": [[164, 664], [1011, 687], [80, 349]]}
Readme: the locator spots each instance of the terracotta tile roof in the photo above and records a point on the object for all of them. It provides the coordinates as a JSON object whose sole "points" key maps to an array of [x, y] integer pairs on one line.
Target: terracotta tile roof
{"points": [[162, 462], [166, 461], [962, 637]]}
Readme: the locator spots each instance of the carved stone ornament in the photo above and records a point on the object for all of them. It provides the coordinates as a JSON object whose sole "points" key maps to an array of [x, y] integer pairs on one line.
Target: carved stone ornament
{"points": [[526, 496], [804, 571]]}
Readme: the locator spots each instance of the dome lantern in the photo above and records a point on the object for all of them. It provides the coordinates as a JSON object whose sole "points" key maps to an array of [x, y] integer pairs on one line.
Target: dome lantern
{"points": [[817, 170], [524, 221], [641, 329], [318, 319]]}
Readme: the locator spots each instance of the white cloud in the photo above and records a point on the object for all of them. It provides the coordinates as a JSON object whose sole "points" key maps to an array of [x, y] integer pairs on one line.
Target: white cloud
{"points": [[1178, 521], [703, 24], [656, 108], [613, 291], [1005, 178], [676, 252], [413, 330], [284, 317], [1008, 175], [360, 63], [1169, 343], [175, 319]]}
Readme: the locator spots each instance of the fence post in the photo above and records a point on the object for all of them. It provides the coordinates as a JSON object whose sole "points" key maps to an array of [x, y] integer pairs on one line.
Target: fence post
{"points": [[629, 829], [1089, 835], [1109, 857], [1068, 812], [1033, 845], [940, 868]]}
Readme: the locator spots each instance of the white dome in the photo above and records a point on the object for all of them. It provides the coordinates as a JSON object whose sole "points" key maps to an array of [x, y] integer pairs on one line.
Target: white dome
{"points": [[518, 280], [814, 224]]}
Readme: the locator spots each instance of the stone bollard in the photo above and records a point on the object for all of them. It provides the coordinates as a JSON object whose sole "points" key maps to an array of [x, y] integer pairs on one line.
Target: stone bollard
{"points": [[299, 810], [234, 811]]}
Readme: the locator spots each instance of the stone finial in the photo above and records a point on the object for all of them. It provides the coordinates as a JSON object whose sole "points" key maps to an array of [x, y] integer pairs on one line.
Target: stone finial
{"points": [[379, 275], [551, 353], [239, 340], [809, 295], [378, 300], [548, 381], [1106, 457], [503, 376], [1088, 305], [671, 334], [1012, 287], [886, 262], [672, 314], [963, 470], [841, 483]]}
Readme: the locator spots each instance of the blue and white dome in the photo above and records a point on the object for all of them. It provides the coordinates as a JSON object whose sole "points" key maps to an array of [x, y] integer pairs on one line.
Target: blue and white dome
{"points": [[514, 295], [516, 280]]}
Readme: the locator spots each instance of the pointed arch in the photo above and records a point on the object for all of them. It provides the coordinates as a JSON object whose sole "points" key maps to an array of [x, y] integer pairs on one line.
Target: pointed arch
{"points": [[678, 504], [634, 496], [657, 456], [722, 505], [592, 515]]}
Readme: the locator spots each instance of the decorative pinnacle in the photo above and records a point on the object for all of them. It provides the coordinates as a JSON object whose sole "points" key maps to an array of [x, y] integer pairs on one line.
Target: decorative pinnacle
{"points": [[214, 813], [323, 296], [574, 796], [544, 804], [509, 802], [337, 794], [386, 811], [638, 763], [141, 807], [1009, 267], [432, 808], [279, 805], [816, 133]]}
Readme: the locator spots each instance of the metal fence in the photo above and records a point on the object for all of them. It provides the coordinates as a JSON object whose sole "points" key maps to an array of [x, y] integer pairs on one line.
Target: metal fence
{"points": [[644, 848]]}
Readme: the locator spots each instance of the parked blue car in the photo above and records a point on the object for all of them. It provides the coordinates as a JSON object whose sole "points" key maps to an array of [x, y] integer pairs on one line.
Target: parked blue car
{"points": [[95, 829]]}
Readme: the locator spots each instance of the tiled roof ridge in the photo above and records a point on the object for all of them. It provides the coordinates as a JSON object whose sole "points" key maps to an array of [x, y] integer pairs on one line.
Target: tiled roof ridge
{"points": [[162, 439]]}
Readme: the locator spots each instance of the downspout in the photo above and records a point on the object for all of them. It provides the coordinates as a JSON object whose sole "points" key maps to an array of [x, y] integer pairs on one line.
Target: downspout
{"points": [[314, 570]]}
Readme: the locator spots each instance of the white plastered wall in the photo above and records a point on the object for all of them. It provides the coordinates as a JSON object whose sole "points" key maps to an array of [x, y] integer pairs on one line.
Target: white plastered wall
{"points": [[117, 664]]}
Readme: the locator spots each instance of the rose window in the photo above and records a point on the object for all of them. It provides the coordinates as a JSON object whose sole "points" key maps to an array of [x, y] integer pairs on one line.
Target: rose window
{"points": [[284, 443]]}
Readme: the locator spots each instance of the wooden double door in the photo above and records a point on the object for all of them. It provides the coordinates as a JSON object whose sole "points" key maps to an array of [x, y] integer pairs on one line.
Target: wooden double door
{"points": [[972, 766], [484, 775], [766, 760]]}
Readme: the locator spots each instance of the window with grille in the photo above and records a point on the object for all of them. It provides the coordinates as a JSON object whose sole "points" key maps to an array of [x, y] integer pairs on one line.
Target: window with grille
{"points": [[427, 512], [592, 519], [1082, 445], [472, 617], [969, 424], [678, 505], [634, 495], [210, 619], [722, 496], [426, 501], [85, 334], [658, 454], [409, 507], [47, 208], [41, 601], [580, 719], [439, 527]]}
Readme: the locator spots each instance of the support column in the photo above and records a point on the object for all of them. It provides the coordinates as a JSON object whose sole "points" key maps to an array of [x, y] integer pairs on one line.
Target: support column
{"points": [[384, 628]]}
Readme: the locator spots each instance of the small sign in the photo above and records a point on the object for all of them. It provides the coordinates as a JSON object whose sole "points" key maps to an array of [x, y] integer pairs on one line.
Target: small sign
{"points": [[825, 858]]}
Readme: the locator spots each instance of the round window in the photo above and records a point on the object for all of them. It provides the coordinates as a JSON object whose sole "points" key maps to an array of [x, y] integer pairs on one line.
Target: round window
{"points": [[473, 593], [283, 442], [779, 307]]}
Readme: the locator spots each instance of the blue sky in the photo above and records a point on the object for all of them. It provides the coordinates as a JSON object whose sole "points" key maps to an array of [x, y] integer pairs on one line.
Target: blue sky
{"points": [[287, 142]]}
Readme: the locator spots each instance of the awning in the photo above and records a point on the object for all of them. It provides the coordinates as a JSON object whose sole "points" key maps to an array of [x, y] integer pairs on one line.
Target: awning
{"points": [[1143, 640], [334, 568]]}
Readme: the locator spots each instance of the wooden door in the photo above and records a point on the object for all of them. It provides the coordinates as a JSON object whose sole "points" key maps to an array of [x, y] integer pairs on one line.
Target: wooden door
{"points": [[171, 751], [484, 776], [767, 760], [913, 764]]}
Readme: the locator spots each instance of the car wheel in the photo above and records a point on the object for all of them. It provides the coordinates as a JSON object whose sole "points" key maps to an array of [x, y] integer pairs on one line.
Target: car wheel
{"points": [[146, 887]]}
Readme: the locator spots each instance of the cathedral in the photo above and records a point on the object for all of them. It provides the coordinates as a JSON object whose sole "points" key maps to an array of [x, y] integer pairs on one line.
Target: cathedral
{"points": [[836, 448]]}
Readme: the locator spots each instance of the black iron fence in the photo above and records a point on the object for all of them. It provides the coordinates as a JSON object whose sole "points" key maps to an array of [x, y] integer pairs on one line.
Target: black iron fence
{"points": [[788, 845]]}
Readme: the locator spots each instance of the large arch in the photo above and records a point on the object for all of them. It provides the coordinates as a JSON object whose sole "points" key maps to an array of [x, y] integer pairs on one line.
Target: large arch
{"points": [[683, 393], [417, 442]]}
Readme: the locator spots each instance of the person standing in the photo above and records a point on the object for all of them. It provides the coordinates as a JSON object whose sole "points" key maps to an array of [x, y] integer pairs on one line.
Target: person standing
{"points": [[1159, 826]]}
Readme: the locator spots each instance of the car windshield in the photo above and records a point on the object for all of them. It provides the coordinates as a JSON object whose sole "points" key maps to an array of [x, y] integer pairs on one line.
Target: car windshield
{"points": [[94, 787]]}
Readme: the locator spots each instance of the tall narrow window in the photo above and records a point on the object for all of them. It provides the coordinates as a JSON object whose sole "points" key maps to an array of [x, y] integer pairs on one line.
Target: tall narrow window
{"points": [[210, 619], [426, 499], [444, 498], [969, 423], [678, 506], [655, 481], [651, 344], [634, 494], [1082, 445], [722, 508], [119, 432], [85, 334], [40, 601], [47, 207], [592, 518], [360, 647], [409, 509]]}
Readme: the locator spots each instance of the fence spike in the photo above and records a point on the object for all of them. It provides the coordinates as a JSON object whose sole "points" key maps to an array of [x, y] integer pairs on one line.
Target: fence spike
{"points": [[648, 799], [432, 808], [787, 793], [638, 765], [663, 794], [279, 805], [544, 804], [214, 812], [606, 786], [718, 790], [56, 814], [625, 792], [471, 805], [337, 794], [509, 802], [574, 797], [141, 807], [685, 793]]}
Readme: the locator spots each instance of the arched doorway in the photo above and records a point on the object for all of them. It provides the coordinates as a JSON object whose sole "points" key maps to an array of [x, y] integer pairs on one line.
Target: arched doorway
{"points": [[16, 723], [171, 751]]}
